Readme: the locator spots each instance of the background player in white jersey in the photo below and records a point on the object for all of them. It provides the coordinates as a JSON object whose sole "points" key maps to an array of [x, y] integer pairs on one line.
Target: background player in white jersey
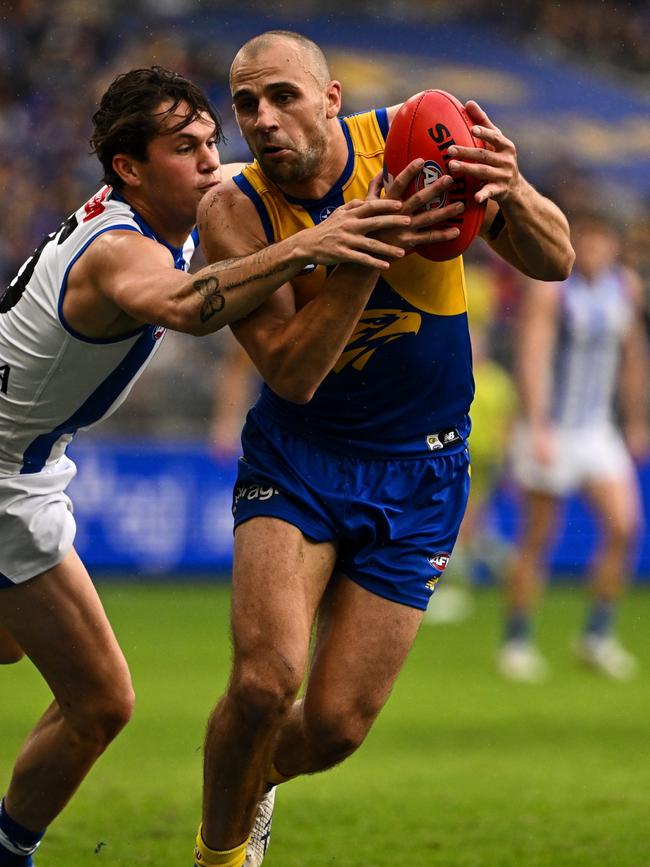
{"points": [[77, 325], [581, 348]]}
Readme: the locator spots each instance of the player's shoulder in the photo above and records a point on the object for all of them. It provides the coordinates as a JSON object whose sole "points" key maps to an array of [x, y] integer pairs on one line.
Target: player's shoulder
{"points": [[229, 194], [118, 251], [228, 220]]}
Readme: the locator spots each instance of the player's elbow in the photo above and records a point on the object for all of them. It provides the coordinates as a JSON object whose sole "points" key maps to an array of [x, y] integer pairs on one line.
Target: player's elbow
{"points": [[563, 264], [177, 316], [284, 374], [288, 384], [291, 390], [554, 268]]}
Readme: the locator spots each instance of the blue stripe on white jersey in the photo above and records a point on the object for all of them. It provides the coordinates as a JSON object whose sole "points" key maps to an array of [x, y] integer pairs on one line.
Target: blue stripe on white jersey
{"points": [[594, 318], [97, 404], [66, 380]]}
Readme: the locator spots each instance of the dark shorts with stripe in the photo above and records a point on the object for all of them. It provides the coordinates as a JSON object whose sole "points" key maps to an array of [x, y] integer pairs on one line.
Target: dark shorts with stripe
{"points": [[394, 521]]}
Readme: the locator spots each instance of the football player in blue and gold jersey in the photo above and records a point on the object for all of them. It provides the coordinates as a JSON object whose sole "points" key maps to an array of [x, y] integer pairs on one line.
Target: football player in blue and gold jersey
{"points": [[355, 467]]}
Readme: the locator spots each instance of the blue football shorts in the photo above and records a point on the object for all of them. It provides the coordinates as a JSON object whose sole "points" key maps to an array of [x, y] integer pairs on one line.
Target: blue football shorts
{"points": [[394, 521]]}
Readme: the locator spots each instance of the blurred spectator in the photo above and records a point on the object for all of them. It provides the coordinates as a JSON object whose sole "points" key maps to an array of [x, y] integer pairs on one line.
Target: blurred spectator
{"points": [[609, 33]]}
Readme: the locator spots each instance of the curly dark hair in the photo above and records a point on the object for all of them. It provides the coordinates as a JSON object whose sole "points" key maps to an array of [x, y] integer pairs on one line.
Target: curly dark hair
{"points": [[129, 114]]}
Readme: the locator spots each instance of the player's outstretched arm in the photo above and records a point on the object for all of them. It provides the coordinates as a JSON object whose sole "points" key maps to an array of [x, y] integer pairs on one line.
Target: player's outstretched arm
{"points": [[525, 228], [137, 274]]}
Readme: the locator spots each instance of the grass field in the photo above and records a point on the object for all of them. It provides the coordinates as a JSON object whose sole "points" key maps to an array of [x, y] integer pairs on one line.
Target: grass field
{"points": [[461, 770]]}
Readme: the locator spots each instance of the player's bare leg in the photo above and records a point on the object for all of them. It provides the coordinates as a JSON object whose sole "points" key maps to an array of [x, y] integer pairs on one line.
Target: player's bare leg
{"points": [[10, 650], [525, 582], [361, 645], [616, 503], [279, 578], [58, 620], [518, 657]]}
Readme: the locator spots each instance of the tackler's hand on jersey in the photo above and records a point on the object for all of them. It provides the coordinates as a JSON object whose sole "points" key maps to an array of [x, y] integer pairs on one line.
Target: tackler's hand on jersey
{"points": [[345, 236], [426, 207]]}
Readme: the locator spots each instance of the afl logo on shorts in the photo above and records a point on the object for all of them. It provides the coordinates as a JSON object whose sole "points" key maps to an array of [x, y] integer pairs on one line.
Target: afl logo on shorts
{"points": [[430, 173], [439, 560], [158, 332]]}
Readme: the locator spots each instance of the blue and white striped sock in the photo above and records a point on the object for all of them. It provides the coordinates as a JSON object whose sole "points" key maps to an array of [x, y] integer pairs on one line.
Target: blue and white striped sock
{"points": [[17, 844], [600, 618], [518, 627]]}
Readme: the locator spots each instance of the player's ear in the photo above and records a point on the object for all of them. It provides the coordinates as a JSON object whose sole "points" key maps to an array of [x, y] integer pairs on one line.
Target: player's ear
{"points": [[127, 168], [333, 99]]}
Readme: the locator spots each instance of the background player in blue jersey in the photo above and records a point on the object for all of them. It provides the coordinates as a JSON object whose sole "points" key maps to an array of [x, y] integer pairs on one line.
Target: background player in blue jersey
{"points": [[354, 475], [581, 349], [77, 325]]}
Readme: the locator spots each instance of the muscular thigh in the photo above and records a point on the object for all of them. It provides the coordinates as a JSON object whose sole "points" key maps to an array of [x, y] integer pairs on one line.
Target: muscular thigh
{"points": [[362, 642], [279, 577], [58, 620]]}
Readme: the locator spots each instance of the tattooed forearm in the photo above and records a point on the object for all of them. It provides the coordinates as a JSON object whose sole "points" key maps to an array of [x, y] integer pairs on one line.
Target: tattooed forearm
{"points": [[261, 275], [212, 292], [213, 300]]}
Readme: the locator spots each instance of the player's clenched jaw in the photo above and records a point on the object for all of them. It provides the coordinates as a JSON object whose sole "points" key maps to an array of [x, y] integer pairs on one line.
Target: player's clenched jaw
{"points": [[284, 109]]}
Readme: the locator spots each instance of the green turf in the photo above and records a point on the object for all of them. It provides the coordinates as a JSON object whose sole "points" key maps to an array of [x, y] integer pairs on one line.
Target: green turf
{"points": [[461, 770]]}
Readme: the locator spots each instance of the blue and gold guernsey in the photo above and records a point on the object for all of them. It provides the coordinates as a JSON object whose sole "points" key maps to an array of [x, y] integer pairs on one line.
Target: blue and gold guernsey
{"points": [[406, 372]]}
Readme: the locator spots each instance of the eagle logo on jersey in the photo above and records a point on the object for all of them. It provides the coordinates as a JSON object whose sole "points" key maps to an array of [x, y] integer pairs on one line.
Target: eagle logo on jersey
{"points": [[376, 329]]}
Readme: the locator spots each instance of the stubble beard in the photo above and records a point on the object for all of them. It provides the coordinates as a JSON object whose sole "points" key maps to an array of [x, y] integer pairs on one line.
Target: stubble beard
{"points": [[302, 167]]}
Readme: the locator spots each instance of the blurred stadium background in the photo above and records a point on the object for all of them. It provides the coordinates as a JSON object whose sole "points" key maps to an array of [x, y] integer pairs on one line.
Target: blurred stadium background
{"points": [[568, 81]]}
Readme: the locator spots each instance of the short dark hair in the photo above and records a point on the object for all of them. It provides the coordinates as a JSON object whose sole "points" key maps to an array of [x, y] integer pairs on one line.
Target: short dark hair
{"points": [[128, 117]]}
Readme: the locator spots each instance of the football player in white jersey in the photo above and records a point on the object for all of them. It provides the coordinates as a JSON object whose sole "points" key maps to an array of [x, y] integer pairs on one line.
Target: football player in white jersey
{"points": [[581, 347], [77, 325]]}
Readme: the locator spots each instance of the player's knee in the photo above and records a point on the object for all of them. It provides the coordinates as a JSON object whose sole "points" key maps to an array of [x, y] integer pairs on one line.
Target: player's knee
{"points": [[9, 655], [102, 717], [335, 735], [10, 650], [262, 697], [622, 534]]}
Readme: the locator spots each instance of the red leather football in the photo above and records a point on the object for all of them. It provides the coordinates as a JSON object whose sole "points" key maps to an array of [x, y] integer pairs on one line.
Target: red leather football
{"points": [[426, 126]]}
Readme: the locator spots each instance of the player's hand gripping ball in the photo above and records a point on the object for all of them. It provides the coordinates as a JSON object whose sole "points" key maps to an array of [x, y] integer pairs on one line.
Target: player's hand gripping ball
{"points": [[426, 126]]}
